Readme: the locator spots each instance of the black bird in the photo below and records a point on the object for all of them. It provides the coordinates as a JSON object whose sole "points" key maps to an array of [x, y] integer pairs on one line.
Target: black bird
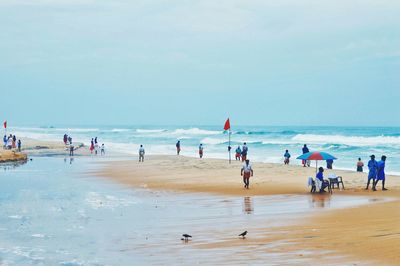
{"points": [[243, 234], [186, 236]]}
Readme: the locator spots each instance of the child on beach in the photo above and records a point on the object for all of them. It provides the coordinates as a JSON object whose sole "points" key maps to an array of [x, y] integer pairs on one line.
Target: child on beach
{"points": [[360, 165], [286, 157], [201, 150], [246, 172]]}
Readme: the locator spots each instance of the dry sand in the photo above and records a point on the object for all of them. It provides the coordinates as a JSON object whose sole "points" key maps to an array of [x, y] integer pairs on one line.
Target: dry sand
{"points": [[369, 234]]}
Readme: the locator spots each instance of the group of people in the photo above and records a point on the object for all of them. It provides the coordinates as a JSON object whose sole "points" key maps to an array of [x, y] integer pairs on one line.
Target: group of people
{"points": [[376, 172], [10, 142], [178, 149], [94, 147], [241, 153]]}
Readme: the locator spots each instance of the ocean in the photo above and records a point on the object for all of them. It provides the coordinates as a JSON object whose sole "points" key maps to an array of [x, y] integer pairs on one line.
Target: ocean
{"points": [[266, 143]]}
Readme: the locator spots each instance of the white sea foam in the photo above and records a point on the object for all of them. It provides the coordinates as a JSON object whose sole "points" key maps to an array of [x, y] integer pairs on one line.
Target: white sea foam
{"points": [[347, 140], [195, 131], [97, 201], [120, 130], [139, 130]]}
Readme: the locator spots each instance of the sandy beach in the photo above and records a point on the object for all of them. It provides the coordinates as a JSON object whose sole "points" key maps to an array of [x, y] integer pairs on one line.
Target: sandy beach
{"points": [[365, 235]]}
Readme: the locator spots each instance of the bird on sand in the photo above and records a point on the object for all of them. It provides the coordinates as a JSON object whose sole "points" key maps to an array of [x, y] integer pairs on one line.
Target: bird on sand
{"points": [[243, 235], [186, 237]]}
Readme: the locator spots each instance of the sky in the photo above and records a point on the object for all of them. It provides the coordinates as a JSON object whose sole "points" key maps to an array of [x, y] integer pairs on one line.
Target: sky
{"points": [[261, 62]]}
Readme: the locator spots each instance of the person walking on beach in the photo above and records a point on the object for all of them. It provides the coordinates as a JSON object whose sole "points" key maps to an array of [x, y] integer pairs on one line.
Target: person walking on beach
{"points": [[178, 147], [238, 153], [19, 145], [91, 146], [381, 173], [14, 142], [141, 153], [71, 149], [65, 139], [95, 140], [102, 150], [373, 169], [305, 150], [245, 149], [70, 140], [246, 172], [360, 165], [286, 157], [201, 150], [5, 142]]}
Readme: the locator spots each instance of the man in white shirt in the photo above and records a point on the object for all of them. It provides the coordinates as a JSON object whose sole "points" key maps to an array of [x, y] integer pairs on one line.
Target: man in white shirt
{"points": [[246, 172], [141, 153]]}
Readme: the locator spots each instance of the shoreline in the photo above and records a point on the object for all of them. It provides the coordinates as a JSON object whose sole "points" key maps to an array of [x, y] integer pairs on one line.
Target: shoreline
{"points": [[346, 232]]}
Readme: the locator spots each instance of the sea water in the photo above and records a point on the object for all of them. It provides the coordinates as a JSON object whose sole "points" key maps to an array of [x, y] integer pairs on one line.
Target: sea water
{"points": [[52, 213], [266, 143]]}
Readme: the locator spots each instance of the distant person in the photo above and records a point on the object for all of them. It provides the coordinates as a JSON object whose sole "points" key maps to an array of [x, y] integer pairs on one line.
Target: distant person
{"points": [[9, 143], [245, 149], [5, 141], [95, 140], [102, 150], [321, 184], [360, 165], [65, 139], [305, 150], [381, 173], [201, 150], [329, 163], [141, 153], [96, 148], [70, 140], [71, 150], [238, 153], [19, 145], [286, 157], [91, 146], [372, 171], [14, 142], [178, 147], [246, 172]]}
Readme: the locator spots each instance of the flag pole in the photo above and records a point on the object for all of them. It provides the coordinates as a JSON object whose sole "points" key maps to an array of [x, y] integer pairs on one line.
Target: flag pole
{"points": [[229, 147]]}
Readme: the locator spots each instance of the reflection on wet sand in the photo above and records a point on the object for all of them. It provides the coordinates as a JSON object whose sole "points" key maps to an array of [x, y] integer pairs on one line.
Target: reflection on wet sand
{"points": [[12, 165], [248, 205], [320, 200]]}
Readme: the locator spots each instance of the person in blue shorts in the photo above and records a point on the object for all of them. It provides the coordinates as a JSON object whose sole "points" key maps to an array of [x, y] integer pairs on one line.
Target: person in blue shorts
{"points": [[381, 173], [373, 170]]}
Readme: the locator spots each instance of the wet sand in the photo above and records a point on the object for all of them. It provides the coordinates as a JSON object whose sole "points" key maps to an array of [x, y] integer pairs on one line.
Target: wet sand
{"points": [[363, 235]]}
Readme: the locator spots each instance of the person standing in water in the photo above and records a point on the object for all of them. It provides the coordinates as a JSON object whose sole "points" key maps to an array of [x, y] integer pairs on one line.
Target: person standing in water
{"points": [[141, 153], [381, 173], [178, 147], [201, 150], [360, 165], [287, 157], [373, 169], [246, 172]]}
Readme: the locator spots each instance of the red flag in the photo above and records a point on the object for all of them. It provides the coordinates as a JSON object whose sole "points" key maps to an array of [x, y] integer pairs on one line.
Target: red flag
{"points": [[227, 125], [5, 124]]}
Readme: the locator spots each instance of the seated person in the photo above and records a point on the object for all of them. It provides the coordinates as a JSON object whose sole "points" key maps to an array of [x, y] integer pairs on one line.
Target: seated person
{"points": [[320, 182]]}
